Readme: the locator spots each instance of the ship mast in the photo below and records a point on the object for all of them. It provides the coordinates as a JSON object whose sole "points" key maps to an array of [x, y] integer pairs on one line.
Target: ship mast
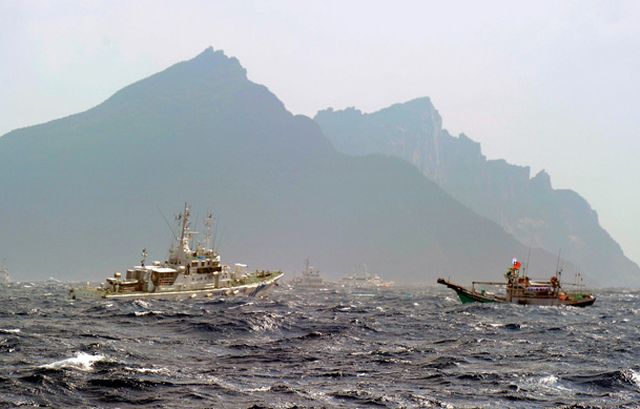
{"points": [[208, 222], [185, 234]]}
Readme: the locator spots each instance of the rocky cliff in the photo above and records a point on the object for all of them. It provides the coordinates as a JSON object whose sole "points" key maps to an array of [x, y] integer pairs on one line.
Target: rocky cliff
{"points": [[528, 208]]}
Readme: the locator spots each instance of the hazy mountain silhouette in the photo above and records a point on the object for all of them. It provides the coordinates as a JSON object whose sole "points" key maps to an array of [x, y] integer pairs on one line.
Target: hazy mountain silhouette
{"points": [[528, 208], [81, 194]]}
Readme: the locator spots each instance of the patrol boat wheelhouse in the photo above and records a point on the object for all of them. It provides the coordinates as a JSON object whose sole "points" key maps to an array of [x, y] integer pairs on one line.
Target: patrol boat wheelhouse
{"points": [[191, 272]]}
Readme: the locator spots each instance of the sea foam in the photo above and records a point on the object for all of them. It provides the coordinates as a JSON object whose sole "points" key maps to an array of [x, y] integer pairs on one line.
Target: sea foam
{"points": [[82, 362]]}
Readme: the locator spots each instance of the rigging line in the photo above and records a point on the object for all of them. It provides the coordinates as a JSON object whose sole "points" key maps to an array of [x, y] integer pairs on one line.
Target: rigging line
{"points": [[167, 222]]}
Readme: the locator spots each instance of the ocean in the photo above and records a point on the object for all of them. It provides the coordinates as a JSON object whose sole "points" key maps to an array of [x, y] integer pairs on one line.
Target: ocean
{"points": [[398, 348]]}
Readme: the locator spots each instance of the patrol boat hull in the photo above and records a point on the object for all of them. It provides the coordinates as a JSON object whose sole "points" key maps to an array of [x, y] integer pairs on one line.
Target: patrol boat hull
{"points": [[247, 290]]}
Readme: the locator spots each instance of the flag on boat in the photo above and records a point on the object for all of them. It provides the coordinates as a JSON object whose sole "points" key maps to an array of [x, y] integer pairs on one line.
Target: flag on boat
{"points": [[516, 264]]}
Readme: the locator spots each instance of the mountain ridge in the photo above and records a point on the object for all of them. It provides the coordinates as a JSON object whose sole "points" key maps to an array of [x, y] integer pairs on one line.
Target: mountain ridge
{"points": [[527, 207], [82, 190]]}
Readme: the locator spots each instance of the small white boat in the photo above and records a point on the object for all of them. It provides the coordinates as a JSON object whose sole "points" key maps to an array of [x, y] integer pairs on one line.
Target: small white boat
{"points": [[365, 280]]}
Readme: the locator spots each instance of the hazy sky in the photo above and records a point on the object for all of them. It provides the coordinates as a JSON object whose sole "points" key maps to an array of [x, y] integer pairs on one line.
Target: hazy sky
{"points": [[549, 84]]}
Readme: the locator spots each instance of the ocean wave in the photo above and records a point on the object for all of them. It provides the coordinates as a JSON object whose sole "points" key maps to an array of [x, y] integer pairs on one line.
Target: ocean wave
{"points": [[608, 380], [316, 350], [128, 383]]}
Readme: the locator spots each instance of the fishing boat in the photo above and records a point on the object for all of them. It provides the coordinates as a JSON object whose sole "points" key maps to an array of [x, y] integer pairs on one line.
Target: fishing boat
{"points": [[187, 272], [518, 288]]}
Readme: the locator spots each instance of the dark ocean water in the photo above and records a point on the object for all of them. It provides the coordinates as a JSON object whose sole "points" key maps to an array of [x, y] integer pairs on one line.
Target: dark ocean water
{"points": [[394, 349]]}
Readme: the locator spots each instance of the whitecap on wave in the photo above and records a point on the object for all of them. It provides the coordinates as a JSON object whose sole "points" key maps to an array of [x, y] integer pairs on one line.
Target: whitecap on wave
{"points": [[548, 380], [548, 383], [9, 331], [160, 371], [633, 376], [143, 313], [82, 362], [141, 303]]}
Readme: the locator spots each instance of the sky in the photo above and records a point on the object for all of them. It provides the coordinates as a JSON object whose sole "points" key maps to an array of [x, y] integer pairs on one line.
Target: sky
{"points": [[552, 85]]}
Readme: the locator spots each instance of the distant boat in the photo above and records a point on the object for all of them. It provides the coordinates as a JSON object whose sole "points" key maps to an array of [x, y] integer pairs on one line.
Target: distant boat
{"points": [[309, 279], [5, 278], [365, 280], [520, 289], [187, 272]]}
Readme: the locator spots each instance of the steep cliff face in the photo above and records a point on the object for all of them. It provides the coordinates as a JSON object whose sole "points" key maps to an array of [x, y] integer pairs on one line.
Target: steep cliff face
{"points": [[527, 207], [80, 194]]}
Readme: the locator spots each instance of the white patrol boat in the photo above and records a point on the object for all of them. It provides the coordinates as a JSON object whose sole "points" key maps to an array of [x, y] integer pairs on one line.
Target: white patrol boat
{"points": [[187, 272]]}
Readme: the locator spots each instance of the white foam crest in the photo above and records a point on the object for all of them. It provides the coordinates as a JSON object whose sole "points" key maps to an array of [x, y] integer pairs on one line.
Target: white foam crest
{"points": [[549, 380], [82, 362], [258, 389], [634, 376], [160, 371], [141, 303], [266, 323], [10, 331], [143, 313]]}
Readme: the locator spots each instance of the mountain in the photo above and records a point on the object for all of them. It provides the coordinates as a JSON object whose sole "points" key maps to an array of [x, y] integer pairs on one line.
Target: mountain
{"points": [[82, 195], [528, 208]]}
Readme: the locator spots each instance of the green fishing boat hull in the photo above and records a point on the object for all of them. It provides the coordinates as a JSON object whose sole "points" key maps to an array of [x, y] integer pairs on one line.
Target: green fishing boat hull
{"points": [[468, 298]]}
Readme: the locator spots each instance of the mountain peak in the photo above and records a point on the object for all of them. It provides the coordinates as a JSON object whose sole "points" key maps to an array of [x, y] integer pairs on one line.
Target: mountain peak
{"points": [[209, 51], [419, 102], [216, 61], [542, 180], [208, 70]]}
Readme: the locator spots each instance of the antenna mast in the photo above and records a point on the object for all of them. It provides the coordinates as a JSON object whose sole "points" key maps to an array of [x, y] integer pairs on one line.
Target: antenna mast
{"points": [[558, 271], [185, 234], [208, 222]]}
